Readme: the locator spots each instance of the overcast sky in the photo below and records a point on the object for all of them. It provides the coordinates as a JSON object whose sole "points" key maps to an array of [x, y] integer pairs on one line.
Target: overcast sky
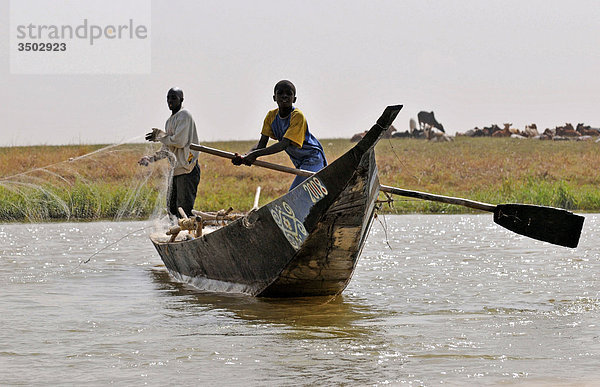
{"points": [[473, 63]]}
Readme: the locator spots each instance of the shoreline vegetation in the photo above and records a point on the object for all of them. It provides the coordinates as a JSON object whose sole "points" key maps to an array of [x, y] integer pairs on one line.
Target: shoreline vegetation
{"points": [[104, 182]]}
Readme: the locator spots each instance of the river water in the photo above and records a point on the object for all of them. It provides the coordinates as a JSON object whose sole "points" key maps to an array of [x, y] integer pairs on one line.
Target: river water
{"points": [[451, 299]]}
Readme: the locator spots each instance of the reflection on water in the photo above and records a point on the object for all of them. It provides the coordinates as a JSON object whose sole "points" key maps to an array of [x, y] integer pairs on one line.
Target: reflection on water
{"points": [[320, 316], [453, 299]]}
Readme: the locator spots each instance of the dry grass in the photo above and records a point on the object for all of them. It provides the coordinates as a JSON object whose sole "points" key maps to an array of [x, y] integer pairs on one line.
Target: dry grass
{"points": [[39, 183], [473, 164]]}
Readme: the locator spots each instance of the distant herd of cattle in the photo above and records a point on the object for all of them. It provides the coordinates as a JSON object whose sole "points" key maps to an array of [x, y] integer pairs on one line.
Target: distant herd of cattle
{"points": [[429, 128], [566, 132]]}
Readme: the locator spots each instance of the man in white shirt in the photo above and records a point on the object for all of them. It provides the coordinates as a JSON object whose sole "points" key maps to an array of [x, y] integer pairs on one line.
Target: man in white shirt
{"points": [[179, 133]]}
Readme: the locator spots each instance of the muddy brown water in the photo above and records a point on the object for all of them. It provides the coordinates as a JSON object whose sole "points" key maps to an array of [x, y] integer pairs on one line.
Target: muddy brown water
{"points": [[435, 299]]}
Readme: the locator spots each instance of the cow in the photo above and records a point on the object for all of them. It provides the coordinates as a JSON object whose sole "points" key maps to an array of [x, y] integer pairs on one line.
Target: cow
{"points": [[358, 136], [490, 130], [405, 134], [587, 130], [531, 131], [567, 131], [434, 135], [387, 134], [412, 125], [427, 118], [506, 132], [468, 133], [548, 134]]}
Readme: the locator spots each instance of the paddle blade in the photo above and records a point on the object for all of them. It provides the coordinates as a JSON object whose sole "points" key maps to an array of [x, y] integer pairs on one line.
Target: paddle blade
{"points": [[547, 224]]}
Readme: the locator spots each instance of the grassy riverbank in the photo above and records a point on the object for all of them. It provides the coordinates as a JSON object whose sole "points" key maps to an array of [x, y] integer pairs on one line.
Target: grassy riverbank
{"points": [[104, 182]]}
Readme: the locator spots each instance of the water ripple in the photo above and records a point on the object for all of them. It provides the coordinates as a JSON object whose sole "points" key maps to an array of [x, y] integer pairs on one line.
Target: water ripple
{"points": [[456, 299]]}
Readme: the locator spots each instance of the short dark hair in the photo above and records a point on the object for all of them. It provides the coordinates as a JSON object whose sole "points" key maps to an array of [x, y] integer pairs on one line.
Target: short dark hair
{"points": [[177, 91], [284, 83]]}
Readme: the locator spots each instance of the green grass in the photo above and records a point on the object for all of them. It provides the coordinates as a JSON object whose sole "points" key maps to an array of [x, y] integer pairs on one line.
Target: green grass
{"points": [[77, 202]]}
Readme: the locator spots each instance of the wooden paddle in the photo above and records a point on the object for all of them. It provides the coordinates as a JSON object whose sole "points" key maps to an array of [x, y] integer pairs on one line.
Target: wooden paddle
{"points": [[548, 224]]}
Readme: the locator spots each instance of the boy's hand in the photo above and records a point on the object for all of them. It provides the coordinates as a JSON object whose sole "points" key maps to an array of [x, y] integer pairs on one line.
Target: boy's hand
{"points": [[249, 159], [237, 160]]}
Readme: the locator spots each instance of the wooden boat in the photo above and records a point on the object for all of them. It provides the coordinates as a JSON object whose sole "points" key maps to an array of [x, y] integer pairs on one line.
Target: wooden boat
{"points": [[305, 243]]}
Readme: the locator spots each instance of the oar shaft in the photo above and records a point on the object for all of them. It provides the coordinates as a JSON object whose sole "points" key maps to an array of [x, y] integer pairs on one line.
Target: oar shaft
{"points": [[384, 188], [258, 163], [439, 198]]}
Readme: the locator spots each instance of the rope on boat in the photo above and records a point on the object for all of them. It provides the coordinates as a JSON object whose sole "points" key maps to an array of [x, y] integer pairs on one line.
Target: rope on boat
{"points": [[196, 223], [387, 241], [193, 225]]}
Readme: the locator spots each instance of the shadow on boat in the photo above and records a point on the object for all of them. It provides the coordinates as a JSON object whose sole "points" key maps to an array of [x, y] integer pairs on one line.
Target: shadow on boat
{"points": [[339, 315]]}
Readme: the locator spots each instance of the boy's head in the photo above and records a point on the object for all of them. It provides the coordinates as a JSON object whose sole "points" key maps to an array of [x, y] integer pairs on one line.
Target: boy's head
{"points": [[284, 94], [285, 84]]}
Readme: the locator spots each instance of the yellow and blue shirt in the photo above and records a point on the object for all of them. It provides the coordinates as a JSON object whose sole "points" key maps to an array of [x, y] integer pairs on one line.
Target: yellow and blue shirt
{"points": [[305, 149]]}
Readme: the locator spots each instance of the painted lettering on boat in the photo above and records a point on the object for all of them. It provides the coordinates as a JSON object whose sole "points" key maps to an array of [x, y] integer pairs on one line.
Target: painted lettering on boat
{"points": [[315, 188], [292, 228]]}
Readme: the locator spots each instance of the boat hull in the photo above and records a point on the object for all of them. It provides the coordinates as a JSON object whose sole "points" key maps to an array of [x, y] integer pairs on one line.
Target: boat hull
{"points": [[271, 253]]}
